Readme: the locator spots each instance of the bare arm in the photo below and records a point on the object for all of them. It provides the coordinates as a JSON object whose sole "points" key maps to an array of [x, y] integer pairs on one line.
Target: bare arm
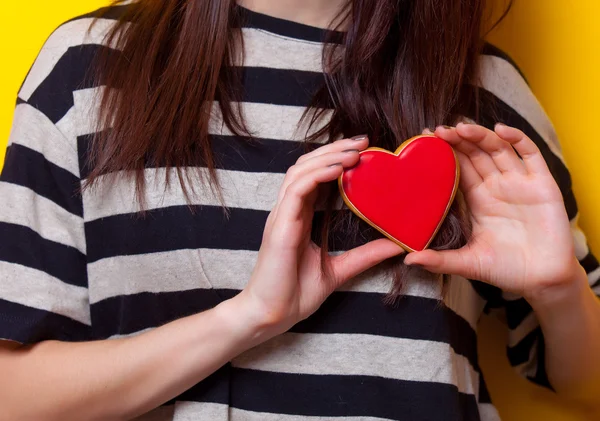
{"points": [[122, 378], [570, 320], [522, 243]]}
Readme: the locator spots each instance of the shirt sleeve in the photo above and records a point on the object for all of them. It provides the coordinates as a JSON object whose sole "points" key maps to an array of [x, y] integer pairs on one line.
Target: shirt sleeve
{"points": [[507, 98], [43, 275]]}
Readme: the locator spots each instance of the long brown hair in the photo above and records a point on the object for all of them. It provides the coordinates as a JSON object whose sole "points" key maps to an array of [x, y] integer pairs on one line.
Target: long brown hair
{"points": [[401, 66]]}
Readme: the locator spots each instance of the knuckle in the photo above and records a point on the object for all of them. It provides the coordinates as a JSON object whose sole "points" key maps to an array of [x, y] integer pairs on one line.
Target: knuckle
{"points": [[294, 190]]}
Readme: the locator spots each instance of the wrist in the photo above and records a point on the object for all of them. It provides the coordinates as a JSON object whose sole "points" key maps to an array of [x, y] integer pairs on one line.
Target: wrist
{"points": [[571, 285], [243, 322]]}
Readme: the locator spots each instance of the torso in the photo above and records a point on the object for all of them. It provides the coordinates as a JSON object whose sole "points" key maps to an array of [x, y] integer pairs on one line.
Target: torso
{"points": [[356, 357]]}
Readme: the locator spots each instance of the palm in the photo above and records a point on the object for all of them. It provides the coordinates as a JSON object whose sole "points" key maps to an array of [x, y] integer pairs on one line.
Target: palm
{"points": [[521, 240], [520, 230]]}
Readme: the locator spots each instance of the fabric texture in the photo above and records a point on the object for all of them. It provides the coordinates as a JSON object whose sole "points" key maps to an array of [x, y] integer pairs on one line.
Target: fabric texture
{"points": [[80, 266]]}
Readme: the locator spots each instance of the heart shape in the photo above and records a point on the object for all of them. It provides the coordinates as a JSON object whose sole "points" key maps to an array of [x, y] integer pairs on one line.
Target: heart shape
{"points": [[405, 194]]}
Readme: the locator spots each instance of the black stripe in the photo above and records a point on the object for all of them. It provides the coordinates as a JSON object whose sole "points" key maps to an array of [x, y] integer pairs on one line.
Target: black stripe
{"points": [[492, 50], [541, 375], [281, 86], [287, 28], [231, 153], [215, 388], [336, 396], [126, 314], [28, 168], [21, 101], [343, 312], [23, 246], [516, 312], [30, 325], [589, 263], [412, 318], [175, 228], [495, 110], [54, 96], [484, 394], [193, 227], [491, 294], [519, 354]]}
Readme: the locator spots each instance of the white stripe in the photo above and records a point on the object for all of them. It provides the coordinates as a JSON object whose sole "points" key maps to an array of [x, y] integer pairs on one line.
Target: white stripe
{"points": [[269, 121], [530, 367], [23, 206], [183, 270], [188, 269], [37, 289], [71, 34], [82, 118], [352, 354], [594, 276], [35, 131], [462, 298], [488, 412], [581, 245], [528, 325], [504, 81], [196, 411], [157, 272], [264, 49], [245, 190]]}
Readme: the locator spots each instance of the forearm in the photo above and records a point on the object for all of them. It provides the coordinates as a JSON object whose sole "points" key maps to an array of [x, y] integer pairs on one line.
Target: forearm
{"points": [[570, 321], [123, 378]]}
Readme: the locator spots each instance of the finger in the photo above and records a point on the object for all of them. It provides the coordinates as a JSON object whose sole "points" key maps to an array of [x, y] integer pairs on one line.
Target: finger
{"points": [[427, 131], [353, 262], [454, 262], [357, 142], [346, 158], [502, 153], [482, 162], [294, 200], [530, 154], [469, 177]]}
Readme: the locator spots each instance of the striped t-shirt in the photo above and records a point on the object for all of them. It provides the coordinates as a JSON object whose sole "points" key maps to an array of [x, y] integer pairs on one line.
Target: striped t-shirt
{"points": [[86, 266]]}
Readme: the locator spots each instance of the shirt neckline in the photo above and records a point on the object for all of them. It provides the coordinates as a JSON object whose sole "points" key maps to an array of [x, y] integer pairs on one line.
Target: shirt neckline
{"points": [[288, 28]]}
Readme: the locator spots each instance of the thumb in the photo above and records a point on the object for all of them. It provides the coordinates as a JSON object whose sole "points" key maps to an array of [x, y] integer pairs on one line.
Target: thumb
{"points": [[353, 262], [452, 262]]}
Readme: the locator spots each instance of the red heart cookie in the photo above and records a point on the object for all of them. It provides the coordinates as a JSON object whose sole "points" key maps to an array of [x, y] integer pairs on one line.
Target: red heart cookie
{"points": [[406, 194]]}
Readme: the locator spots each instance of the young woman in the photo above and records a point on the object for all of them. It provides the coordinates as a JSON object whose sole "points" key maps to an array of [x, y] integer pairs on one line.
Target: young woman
{"points": [[172, 247]]}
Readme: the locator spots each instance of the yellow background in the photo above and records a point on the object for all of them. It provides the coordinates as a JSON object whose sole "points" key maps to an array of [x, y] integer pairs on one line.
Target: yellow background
{"points": [[557, 44]]}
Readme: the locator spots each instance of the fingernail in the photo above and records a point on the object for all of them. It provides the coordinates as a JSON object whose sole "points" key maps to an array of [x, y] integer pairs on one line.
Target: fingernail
{"points": [[351, 151], [447, 127], [337, 164], [359, 137], [500, 124]]}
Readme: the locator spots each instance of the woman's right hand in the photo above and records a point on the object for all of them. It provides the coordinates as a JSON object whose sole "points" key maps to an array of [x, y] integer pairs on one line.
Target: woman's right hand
{"points": [[288, 284]]}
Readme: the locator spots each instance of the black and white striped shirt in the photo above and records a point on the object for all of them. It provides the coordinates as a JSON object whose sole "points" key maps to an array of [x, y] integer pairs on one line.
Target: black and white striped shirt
{"points": [[77, 267]]}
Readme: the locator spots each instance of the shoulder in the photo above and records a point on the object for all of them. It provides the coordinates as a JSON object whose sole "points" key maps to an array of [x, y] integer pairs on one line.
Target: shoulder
{"points": [[504, 95], [47, 119], [494, 57], [65, 58]]}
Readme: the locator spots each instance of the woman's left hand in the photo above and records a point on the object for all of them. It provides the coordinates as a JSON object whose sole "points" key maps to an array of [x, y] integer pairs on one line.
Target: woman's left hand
{"points": [[521, 240]]}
